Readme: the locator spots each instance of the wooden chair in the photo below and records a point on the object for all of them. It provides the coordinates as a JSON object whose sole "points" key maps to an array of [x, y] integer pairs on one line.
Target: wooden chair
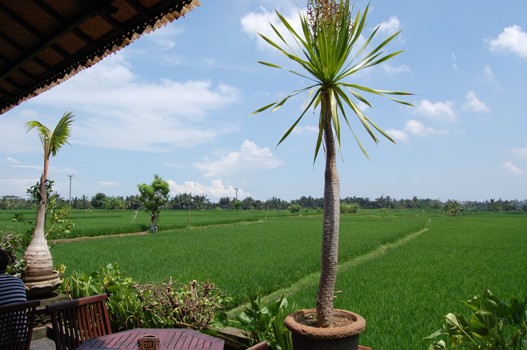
{"points": [[75, 321], [260, 346], [16, 325]]}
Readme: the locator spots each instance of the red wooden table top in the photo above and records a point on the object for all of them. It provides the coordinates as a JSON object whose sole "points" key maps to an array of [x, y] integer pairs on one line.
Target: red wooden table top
{"points": [[169, 339]]}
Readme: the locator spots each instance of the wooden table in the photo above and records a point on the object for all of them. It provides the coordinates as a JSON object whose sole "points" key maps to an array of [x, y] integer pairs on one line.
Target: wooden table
{"points": [[169, 339]]}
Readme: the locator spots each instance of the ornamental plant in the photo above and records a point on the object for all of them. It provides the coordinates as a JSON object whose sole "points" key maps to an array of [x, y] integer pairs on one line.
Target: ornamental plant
{"points": [[332, 53], [37, 255]]}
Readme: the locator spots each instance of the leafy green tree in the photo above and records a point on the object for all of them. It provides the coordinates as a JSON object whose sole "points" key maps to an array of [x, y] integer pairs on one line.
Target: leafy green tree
{"points": [[153, 197], [248, 203], [132, 202], [294, 208], [328, 62], [114, 203], [37, 255], [225, 203], [452, 207], [97, 201]]}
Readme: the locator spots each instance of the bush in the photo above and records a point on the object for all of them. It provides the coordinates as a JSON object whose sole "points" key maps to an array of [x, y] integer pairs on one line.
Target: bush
{"points": [[294, 208], [188, 306], [349, 208], [133, 305]]}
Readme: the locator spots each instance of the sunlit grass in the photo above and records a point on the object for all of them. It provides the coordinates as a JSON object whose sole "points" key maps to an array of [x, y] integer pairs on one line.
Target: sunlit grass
{"points": [[255, 257], [405, 293], [403, 290]]}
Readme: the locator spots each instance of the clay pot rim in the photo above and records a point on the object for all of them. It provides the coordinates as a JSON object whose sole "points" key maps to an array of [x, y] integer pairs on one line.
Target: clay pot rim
{"points": [[357, 326]]}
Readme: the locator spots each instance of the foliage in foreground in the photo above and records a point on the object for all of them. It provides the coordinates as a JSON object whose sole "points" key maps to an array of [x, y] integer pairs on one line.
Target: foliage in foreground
{"points": [[12, 244], [165, 305], [493, 324], [265, 322]]}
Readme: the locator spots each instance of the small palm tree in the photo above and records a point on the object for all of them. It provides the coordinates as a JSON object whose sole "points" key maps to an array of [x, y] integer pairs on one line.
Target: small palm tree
{"points": [[37, 255], [329, 35]]}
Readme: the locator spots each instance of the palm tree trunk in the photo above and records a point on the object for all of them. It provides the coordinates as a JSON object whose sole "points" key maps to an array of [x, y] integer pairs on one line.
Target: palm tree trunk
{"points": [[37, 255], [330, 236]]}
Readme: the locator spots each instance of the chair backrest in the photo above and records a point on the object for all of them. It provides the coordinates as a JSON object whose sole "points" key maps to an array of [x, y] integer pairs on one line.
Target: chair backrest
{"points": [[75, 321], [16, 325], [260, 346]]}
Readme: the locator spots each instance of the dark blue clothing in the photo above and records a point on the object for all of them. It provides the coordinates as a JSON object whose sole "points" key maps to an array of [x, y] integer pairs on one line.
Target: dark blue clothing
{"points": [[12, 290]]}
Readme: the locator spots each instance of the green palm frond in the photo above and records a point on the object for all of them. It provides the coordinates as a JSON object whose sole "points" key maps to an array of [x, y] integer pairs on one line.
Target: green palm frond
{"points": [[329, 61], [52, 141]]}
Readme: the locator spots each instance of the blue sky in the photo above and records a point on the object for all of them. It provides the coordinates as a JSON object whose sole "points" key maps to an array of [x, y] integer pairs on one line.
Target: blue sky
{"points": [[176, 103]]}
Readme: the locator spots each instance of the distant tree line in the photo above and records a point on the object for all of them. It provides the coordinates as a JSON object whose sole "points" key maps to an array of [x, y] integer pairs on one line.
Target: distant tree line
{"points": [[201, 202]]}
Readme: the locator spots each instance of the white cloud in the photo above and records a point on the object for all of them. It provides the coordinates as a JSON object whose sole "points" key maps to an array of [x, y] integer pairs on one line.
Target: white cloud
{"points": [[157, 116], [403, 68], [165, 38], [474, 104], [520, 152], [249, 158], [416, 127], [398, 135], [489, 78], [441, 111], [454, 62], [305, 130], [512, 39], [11, 161], [259, 22], [512, 168], [488, 73], [214, 191], [390, 26]]}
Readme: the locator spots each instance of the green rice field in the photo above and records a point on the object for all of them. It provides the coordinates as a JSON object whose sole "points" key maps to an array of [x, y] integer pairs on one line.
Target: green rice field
{"points": [[401, 270]]}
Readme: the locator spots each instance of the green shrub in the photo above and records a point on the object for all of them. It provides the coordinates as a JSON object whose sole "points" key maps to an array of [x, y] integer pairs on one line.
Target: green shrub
{"points": [[493, 324], [349, 208], [188, 306], [294, 208], [132, 305]]}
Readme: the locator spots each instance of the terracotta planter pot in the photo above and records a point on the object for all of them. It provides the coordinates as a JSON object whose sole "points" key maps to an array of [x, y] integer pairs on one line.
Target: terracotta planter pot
{"points": [[306, 337]]}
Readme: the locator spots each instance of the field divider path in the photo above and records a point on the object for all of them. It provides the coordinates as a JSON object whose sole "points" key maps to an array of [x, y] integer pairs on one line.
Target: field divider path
{"points": [[313, 278]]}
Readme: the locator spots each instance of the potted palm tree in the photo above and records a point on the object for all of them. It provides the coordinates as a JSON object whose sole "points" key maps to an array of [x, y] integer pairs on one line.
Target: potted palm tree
{"points": [[329, 61], [39, 277]]}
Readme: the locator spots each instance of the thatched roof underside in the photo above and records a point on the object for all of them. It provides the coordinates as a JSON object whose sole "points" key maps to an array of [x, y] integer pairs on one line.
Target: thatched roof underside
{"points": [[45, 42]]}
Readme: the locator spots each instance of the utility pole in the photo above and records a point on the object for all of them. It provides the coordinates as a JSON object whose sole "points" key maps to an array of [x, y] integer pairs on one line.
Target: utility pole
{"points": [[189, 204], [70, 187], [236, 193]]}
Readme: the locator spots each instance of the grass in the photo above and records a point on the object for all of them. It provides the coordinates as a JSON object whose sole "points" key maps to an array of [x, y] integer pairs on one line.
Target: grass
{"points": [[256, 257], [405, 293], [403, 271], [93, 223]]}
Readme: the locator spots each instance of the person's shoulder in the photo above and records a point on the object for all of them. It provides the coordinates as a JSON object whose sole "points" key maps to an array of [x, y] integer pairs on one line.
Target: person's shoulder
{"points": [[10, 278]]}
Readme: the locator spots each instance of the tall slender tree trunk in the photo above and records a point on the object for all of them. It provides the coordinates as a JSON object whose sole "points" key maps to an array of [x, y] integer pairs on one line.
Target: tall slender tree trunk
{"points": [[330, 235]]}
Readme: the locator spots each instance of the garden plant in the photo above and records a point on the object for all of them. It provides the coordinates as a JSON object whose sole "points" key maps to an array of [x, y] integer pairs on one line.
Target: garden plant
{"points": [[39, 277], [329, 60]]}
